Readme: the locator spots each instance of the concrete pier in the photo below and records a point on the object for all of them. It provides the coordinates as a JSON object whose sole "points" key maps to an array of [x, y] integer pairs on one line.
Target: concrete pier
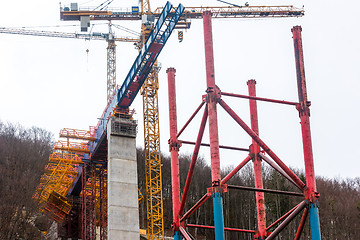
{"points": [[123, 208]]}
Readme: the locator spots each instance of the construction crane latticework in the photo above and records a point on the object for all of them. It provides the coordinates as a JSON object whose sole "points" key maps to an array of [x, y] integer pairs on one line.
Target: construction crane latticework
{"points": [[89, 36], [154, 200], [190, 12]]}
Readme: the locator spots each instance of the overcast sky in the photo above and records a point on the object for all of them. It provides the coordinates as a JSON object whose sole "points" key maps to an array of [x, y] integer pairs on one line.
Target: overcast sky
{"points": [[54, 83]]}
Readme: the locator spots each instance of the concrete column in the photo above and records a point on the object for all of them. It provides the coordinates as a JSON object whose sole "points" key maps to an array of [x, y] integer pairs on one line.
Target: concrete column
{"points": [[123, 208]]}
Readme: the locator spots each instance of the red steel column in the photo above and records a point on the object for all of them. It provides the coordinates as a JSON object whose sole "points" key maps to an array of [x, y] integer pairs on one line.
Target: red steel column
{"points": [[213, 94], [211, 99], [255, 150], [174, 148], [304, 113]]}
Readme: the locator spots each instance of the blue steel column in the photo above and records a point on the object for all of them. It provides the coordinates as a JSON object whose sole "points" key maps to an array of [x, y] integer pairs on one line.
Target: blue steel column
{"points": [[314, 221], [177, 235], [218, 215], [212, 99]]}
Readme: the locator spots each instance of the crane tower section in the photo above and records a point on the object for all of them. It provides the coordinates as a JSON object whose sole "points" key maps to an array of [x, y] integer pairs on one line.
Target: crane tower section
{"points": [[154, 202], [111, 65]]}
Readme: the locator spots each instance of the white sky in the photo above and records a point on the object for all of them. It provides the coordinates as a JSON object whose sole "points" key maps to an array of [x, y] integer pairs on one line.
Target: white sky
{"points": [[53, 83]]}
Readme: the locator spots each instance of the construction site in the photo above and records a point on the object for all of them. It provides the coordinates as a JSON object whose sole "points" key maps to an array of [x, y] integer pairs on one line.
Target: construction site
{"points": [[90, 185]]}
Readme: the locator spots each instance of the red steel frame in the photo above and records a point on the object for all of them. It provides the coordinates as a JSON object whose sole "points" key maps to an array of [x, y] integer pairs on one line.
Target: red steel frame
{"points": [[88, 215], [255, 150], [174, 149], [256, 154], [103, 203]]}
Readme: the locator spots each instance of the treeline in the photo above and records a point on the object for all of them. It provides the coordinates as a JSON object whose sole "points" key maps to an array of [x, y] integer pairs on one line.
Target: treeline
{"points": [[23, 154], [339, 201], [25, 151]]}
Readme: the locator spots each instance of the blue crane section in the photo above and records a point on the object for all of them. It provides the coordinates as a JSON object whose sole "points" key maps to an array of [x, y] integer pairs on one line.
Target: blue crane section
{"points": [[134, 80]]}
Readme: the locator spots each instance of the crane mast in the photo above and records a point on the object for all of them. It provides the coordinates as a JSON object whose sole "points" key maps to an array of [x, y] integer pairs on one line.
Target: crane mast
{"points": [[154, 202], [111, 65]]}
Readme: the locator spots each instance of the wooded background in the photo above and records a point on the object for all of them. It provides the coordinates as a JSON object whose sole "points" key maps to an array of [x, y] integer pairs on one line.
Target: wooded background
{"points": [[25, 151]]}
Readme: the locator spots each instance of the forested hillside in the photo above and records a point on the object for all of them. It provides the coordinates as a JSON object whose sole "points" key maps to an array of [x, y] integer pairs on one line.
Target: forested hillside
{"points": [[339, 201], [24, 152]]}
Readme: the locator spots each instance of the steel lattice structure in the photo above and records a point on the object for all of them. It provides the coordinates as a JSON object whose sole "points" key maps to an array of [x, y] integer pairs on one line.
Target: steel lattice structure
{"points": [[154, 200], [257, 150]]}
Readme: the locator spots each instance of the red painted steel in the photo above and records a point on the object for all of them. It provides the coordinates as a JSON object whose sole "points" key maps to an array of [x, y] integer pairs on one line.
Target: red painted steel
{"points": [[238, 167], [292, 215], [226, 228], [255, 150], [259, 98], [174, 148], [103, 203], [301, 225], [196, 206], [261, 143], [191, 118], [88, 202], [265, 190], [185, 234], [193, 161], [281, 218], [277, 168], [304, 113], [211, 100], [220, 146]]}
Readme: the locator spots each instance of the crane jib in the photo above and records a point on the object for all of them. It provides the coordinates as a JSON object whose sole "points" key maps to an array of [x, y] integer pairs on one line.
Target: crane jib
{"points": [[140, 68]]}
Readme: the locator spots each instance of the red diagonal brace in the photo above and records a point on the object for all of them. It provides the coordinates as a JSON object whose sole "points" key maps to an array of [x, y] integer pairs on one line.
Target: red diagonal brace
{"points": [[261, 143], [196, 206], [193, 161], [185, 233], [190, 119], [301, 225], [233, 172]]}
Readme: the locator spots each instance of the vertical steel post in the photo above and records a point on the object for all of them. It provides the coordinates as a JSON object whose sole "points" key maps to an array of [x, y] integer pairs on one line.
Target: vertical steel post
{"points": [[212, 99], [255, 150], [304, 113], [174, 150]]}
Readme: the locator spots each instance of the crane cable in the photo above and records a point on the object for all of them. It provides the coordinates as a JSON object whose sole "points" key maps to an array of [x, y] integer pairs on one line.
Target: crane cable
{"points": [[232, 4], [103, 5], [125, 29]]}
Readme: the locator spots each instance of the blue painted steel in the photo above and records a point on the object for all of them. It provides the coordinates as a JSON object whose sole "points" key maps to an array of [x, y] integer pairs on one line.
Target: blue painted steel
{"points": [[135, 9], [177, 235], [142, 64], [79, 169], [218, 216], [314, 221], [140, 69]]}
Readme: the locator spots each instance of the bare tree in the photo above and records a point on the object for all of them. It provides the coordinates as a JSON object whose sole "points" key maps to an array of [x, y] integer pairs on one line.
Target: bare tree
{"points": [[23, 154]]}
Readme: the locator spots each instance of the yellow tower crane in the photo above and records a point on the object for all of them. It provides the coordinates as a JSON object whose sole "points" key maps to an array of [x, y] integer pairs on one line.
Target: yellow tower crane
{"points": [[154, 200]]}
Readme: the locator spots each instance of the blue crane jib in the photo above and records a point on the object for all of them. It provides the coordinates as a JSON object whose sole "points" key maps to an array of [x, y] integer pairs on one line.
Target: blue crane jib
{"points": [[134, 80], [141, 67]]}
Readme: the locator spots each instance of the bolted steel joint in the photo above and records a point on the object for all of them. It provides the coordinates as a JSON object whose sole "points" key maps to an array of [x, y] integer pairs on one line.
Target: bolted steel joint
{"points": [[217, 189], [174, 145], [303, 109]]}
